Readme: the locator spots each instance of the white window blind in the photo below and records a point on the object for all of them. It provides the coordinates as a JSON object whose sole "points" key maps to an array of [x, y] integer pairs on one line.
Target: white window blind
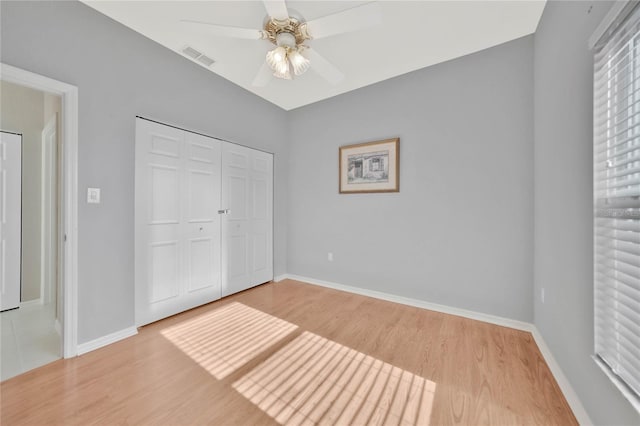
{"points": [[617, 201]]}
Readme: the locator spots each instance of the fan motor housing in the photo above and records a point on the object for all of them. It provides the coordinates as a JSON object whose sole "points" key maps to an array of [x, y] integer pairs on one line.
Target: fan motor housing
{"points": [[292, 26]]}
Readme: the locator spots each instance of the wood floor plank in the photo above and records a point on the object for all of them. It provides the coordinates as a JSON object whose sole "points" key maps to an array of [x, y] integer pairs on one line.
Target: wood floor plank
{"points": [[381, 363]]}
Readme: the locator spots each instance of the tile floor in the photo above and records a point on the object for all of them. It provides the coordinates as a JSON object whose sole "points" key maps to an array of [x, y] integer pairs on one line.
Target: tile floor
{"points": [[28, 339]]}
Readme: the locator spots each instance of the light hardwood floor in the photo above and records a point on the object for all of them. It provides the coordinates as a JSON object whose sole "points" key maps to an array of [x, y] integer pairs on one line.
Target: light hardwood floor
{"points": [[293, 353]]}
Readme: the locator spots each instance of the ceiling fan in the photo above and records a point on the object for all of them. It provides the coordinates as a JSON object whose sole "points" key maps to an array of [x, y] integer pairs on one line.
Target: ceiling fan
{"points": [[289, 32]]}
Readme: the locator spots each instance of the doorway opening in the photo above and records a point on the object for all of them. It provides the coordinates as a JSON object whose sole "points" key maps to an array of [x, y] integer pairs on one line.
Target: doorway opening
{"points": [[31, 315], [38, 226]]}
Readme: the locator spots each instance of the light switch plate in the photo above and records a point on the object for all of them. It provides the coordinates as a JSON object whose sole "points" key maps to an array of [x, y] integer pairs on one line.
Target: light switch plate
{"points": [[93, 195]]}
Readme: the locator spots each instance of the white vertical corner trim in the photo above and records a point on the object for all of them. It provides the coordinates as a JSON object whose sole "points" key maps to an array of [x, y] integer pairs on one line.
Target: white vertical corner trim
{"points": [[100, 342], [614, 14], [45, 237], [565, 386], [69, 133]]}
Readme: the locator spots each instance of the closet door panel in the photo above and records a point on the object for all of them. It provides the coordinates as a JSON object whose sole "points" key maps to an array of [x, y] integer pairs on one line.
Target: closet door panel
{"points": [[164, 272], [202, 264], [177, 265], [235, 223], [202, 222], [159, 182], [248, 226]]}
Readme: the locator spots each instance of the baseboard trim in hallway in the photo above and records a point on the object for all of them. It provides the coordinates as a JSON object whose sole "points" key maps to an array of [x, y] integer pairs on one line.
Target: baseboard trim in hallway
{"points": [[30, 303], [565, 386]]}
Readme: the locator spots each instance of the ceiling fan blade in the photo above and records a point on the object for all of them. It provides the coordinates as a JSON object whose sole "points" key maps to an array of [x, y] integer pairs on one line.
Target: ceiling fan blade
{"points": [[357, 18], [323, 67], [277, 9], [263, 76], [224, 31]]}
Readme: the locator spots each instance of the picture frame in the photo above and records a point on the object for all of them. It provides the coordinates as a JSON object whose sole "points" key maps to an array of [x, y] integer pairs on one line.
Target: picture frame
{"points": [[369, 167]]}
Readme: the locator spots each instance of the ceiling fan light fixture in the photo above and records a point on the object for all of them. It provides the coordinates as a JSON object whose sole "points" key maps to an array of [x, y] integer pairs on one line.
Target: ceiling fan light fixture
{"points": [[279, 63], [283, 71], [286, 59], [299, 63], [283, 60], [286, 39], [277, 57]]}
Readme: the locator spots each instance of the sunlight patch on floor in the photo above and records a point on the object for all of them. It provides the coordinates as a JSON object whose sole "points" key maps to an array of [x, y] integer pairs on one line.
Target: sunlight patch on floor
{"points": [[313, 380], [223, 340]]}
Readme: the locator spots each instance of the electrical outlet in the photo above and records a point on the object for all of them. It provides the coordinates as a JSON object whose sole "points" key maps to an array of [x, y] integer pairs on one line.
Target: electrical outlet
{"points": [[542, 294], [330, 257]]}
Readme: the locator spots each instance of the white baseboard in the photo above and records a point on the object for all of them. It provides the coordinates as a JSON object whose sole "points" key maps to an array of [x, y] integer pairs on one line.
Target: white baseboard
{"points": [[279, 278], [493, 319], [564, 384], [57, 326], [92, 345], [569, 393], [29, 303]]}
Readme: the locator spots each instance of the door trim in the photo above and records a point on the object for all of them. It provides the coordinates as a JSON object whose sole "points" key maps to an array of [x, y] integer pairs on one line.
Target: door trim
{"points": [[69, 202], [4, 248], [46, 254]]}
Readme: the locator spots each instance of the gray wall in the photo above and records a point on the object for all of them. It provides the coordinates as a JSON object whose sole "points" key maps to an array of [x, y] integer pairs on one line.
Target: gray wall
{"points": [[22, 111], [121, 74], [563, 202], [460, 231]]}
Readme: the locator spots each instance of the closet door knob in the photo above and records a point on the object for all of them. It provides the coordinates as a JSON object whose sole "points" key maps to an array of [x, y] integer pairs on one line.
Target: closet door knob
{"points": [[225, 211]]}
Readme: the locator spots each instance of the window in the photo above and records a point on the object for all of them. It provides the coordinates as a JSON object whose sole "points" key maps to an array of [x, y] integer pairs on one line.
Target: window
{"points": [[617, 203]]}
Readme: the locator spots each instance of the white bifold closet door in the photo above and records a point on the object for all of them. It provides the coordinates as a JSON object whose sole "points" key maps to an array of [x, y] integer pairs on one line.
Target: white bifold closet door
{"points": [[203, 220], [177, 221], [247, 188], [10, 219]]}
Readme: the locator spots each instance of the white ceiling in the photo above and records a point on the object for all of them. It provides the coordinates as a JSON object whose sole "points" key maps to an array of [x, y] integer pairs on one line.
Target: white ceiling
{"points": [[413, 35]]}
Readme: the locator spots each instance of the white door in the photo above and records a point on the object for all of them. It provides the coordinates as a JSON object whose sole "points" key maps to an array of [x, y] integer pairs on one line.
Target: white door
{"points": [[177, 200], [247, 192], [10, 219]]}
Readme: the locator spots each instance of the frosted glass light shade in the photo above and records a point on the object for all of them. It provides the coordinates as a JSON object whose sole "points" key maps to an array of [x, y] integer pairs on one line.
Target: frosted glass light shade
{"points": [[277, 57], [283, 60], [299, 63], [285, 75]]}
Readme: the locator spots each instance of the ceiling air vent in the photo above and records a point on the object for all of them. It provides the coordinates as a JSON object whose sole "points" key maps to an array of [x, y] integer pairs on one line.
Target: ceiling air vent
{"points": [[205, 60], [191, 52], [198, 56]]}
